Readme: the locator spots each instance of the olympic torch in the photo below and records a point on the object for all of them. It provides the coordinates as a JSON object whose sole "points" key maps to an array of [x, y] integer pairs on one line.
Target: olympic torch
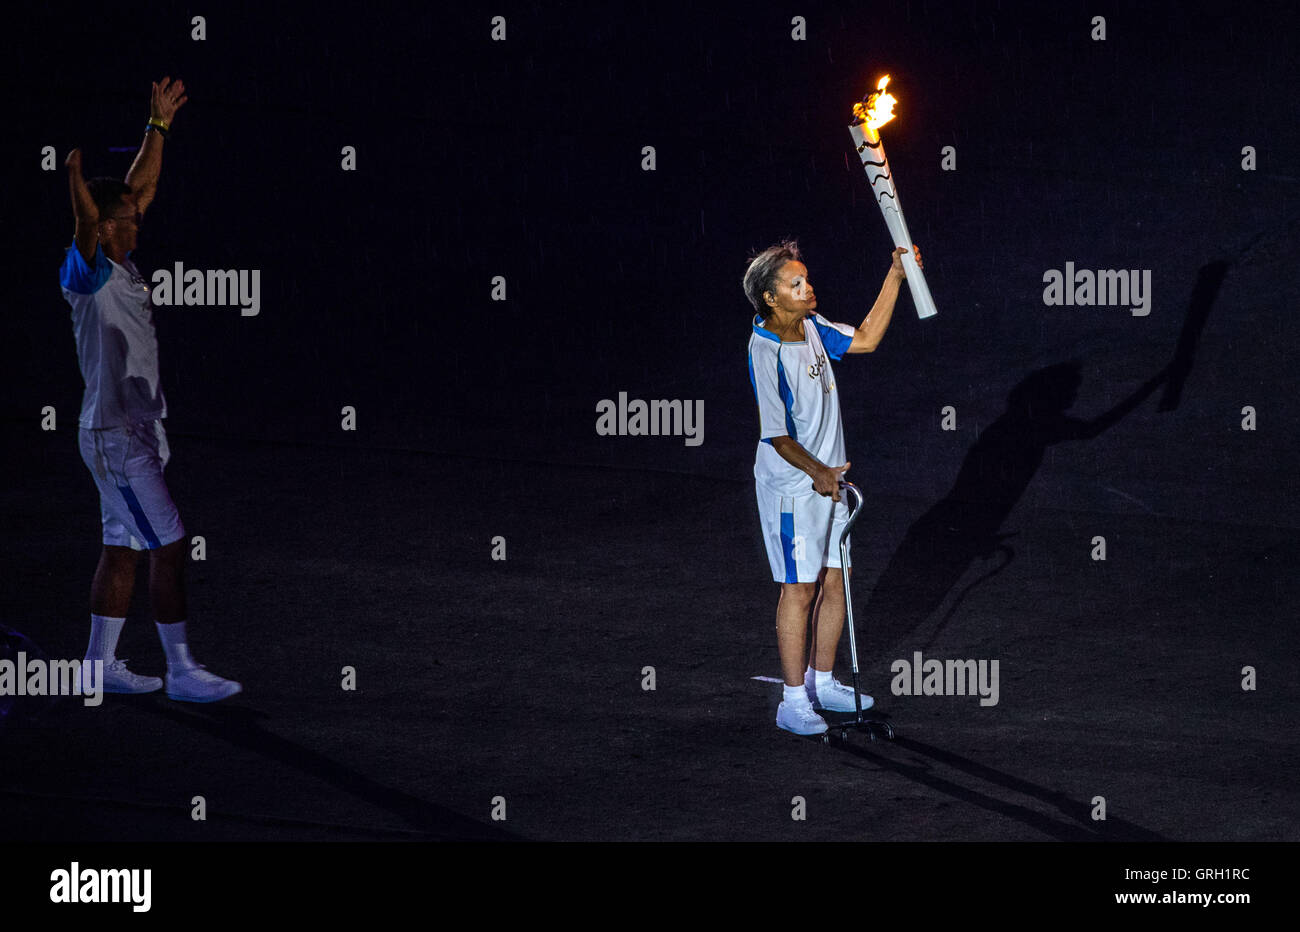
{"points": [[868, 117]]}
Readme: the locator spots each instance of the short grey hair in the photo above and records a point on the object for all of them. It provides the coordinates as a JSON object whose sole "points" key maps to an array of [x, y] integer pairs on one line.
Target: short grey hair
{"points": [[764, 269]]}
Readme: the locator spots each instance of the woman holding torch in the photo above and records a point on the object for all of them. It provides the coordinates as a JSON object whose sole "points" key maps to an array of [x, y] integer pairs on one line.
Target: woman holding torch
{"points": [[802, 438]]}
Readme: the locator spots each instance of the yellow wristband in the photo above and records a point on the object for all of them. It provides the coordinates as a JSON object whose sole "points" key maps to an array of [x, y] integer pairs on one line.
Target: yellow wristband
{"points": [[161, 124]]}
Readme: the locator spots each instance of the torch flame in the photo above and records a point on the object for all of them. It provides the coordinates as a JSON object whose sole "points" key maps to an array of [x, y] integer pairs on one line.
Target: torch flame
{"points": [[879, 107]]}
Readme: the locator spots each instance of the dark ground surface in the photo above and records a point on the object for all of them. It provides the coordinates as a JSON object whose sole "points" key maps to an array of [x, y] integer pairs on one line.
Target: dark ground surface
{"points": [[522, 678]]}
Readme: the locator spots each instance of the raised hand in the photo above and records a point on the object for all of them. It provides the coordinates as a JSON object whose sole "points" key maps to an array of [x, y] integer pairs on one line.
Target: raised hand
{"points": [[897, 265], [168, 97], [83, 205], [84, 210]]}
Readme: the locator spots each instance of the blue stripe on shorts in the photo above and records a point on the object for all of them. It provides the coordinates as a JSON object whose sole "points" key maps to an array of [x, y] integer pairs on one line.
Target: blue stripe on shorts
{"points": [[787, 547], [141, 521]]}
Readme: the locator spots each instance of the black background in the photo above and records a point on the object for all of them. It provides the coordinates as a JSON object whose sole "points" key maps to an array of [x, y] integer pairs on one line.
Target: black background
{"points": [[477, 418]]}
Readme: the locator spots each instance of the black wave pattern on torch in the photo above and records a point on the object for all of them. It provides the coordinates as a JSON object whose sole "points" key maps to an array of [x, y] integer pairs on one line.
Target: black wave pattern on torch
{"points": [[880, 172], [876, 163]]}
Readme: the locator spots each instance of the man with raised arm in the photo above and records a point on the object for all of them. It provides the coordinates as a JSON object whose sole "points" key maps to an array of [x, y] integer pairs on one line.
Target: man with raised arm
{"points": [[122, 438]]}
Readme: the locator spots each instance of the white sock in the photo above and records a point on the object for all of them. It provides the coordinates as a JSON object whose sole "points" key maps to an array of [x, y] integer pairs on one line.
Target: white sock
{"points": [[104, 632], [796, 695], [175, 646], [819, 679]]}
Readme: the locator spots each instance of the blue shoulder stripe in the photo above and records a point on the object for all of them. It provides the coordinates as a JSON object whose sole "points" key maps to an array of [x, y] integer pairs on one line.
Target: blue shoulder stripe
{"points": [[836, 343], [78, 277]]}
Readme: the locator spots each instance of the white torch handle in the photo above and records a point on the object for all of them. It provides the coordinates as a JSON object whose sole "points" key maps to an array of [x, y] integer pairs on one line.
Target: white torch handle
{"points": [[916, 283], [881, 179]]}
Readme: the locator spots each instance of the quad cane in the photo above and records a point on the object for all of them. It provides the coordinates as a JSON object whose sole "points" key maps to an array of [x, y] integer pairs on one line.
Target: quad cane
{"points": [[870, 726]]}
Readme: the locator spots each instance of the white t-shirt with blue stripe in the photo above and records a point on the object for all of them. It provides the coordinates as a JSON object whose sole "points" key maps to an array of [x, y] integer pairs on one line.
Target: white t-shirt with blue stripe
{"points": [[117, 347], [795, 390]]}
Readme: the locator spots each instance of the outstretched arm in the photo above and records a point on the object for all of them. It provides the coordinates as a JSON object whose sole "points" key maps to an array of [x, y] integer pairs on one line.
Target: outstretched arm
{"points": [[867, 337], [168, 96], [83, 209]]}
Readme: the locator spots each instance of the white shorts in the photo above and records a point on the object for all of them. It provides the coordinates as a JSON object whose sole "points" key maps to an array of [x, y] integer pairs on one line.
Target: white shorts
{"points": [[127, 464], [802, 533]]}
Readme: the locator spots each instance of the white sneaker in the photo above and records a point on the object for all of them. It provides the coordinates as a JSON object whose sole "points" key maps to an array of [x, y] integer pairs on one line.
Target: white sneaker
{"points": [[800, 719], [118, 679], [196, 684], [835, 698]]}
